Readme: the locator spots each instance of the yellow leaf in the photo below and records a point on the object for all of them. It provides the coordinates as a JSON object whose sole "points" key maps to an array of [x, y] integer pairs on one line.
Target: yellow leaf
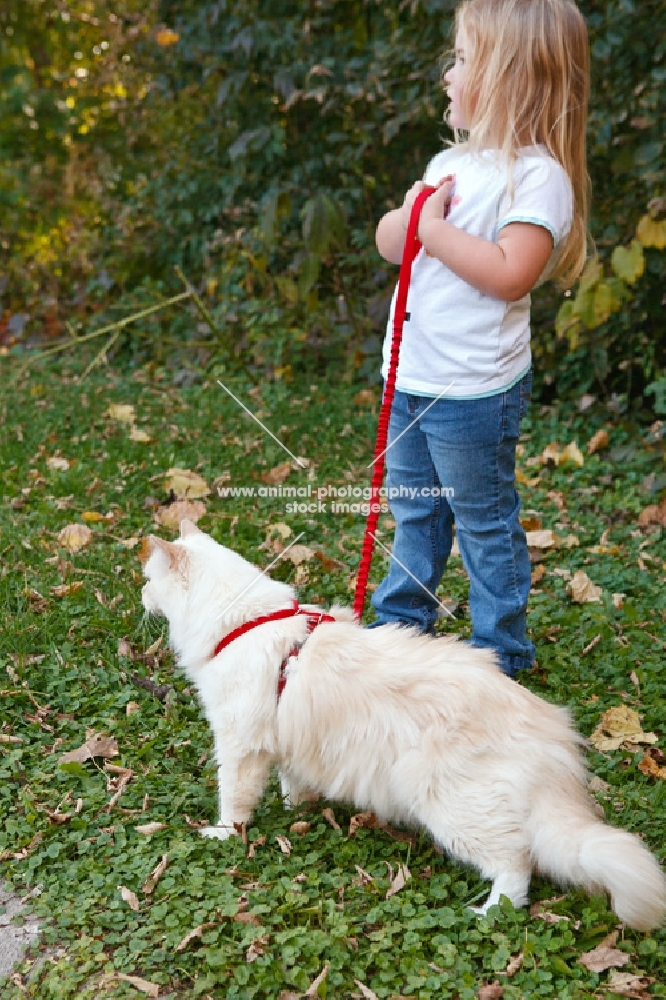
{"points": [[628, 262], [652, 233], [141, 437], [94, 516], [572, 453], [651, 766], [165, 37], [598, 442], [124, 413], [618, 726], [185, 484], [74, 537]]}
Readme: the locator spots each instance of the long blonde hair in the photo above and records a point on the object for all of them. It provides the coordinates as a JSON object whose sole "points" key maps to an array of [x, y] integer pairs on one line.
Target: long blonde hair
{"points": [[527, 83]]}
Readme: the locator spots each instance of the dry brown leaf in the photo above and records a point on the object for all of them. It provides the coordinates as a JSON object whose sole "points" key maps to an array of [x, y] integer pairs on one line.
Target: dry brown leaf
{"points": [[368, 994], [252, 848], [284, 844], [117, 781], [604, 957], [243, 917], [366, 397], [652, 764], [96, 745], [256, 949], [581, 590], [276, 475], [36, 600], [172, 514], [364, 878], [653, 515], [598, 442], [124, 413], [65, 589], [186, 485], [367, 819], [538, 573], [143, 985], [74, 537], [491, 991], [129, 897], [629, 984], [139, 436], [148, 829], [542, 539], [329, 816], [514, 964], [155, 875], [57, 463], [300, 827], [194, 934], [399, 882], [618, 726]]}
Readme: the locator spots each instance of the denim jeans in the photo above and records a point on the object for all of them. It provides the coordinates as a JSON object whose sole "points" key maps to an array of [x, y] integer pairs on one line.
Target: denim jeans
{"points": [[454, 460]]}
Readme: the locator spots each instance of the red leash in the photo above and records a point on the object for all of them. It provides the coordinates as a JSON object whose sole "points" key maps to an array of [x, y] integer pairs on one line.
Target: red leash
{"points": [[412, 247]]}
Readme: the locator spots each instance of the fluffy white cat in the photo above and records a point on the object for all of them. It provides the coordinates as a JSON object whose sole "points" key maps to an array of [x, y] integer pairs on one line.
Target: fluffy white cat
{"points": [[421, 731]]}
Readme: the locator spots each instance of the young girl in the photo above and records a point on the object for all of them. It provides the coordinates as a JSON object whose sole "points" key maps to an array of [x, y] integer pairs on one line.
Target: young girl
{"points": [[516, 190]]}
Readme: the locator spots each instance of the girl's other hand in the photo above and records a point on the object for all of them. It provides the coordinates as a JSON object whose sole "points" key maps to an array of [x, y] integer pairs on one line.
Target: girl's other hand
{"points": [[410, 198], [438, 204]]}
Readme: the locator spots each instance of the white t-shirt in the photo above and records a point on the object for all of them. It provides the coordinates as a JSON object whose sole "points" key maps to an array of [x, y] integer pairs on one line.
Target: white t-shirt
{"points": [[456, 334]]}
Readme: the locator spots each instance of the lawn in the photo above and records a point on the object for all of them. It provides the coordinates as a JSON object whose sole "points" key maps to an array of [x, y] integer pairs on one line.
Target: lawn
{"points": [[135, 903]]}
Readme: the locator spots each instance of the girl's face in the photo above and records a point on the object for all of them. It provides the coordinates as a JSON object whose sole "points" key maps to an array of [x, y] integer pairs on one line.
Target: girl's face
{"points": [[455, 84]]}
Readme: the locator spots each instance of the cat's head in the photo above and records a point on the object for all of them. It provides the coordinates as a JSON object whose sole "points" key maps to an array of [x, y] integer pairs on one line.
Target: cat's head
{"points": [[204, 590]]}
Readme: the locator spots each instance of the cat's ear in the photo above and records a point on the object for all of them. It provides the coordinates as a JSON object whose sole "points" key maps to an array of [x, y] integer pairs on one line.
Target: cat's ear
{"points": [[188, 527], [170, 556]]}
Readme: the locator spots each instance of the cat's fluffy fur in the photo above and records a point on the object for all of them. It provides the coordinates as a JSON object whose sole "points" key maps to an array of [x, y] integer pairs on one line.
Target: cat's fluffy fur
{"points": [[421, 731]]}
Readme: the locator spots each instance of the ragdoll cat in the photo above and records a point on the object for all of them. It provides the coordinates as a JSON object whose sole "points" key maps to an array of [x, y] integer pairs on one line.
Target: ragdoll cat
{"points": [[421, 731]]}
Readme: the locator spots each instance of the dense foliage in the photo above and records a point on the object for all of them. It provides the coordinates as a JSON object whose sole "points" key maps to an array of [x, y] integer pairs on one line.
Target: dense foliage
{"points": [[256, 145]]}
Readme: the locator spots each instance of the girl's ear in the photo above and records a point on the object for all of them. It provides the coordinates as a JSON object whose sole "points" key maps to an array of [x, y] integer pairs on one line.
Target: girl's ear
{"points": [[188, 527]]}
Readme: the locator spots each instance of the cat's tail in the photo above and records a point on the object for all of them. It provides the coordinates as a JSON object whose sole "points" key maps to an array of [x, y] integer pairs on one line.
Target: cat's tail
{"points": [[572, 846]]}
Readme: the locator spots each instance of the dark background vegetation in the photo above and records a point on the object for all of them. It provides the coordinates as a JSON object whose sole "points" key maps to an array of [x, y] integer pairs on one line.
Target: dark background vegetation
{"points": [[256, 144]]}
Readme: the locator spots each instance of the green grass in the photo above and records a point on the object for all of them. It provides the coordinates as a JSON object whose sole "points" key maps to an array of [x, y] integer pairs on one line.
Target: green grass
{"points": [[61, 675]]}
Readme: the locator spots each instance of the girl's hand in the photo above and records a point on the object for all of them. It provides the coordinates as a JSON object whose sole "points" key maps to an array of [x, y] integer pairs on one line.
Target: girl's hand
{"points": [[437, 205], [410, 198]]}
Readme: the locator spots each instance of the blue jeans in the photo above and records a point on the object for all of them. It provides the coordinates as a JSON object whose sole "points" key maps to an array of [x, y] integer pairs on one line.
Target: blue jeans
{"points": [[454, 460]]}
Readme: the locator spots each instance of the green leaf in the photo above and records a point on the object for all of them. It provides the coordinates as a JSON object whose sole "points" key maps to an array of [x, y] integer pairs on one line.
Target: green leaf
{"points": [[628, 262]]}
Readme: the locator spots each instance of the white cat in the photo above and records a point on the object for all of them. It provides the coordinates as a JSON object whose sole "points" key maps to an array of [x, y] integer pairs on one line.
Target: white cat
{"points": [[421, 731]]}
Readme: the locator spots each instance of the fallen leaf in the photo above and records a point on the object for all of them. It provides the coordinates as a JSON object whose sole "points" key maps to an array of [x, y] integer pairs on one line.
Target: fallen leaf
{"points": [[118, 778], [57, 463], [653, 515], [186, 485], [543, 539], [364, 878], [155, 875], [366, 397], [194, 934], [129, 543], [124, 413], [131, 708], [276, 475], [139, 436], [74, 537], [514, 964], [531, 521], [401, 878], [300, 827], [243, 917], [171, 515], [36, 600], [298, 554], [581, 589], [256, 949], [617, 726], [271, 543], [652, 764], [491, 991], [368, 994], [629, 984], [95, 745], [252, 848], [166, 37], [148, 829], [284, 844], [329, 816], [129, 897], [316, 983], [150, 989], [65, 589], [603, 957], [538, 573], [598, 441], [364, 819], [95, 517]]}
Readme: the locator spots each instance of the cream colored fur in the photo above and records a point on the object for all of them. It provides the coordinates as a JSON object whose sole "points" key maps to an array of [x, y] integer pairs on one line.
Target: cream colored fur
{"points": [[422, 731]]}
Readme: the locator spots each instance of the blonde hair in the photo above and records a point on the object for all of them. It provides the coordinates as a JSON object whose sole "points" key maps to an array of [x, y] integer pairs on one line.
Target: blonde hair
{"points": [[527, 83]]}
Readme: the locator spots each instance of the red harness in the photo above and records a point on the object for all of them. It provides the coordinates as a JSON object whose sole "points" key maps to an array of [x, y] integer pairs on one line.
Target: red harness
{"points": [[314, 618]]}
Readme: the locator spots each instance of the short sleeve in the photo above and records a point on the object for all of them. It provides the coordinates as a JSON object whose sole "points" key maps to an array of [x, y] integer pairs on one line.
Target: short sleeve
{"points": [[542, 196]]}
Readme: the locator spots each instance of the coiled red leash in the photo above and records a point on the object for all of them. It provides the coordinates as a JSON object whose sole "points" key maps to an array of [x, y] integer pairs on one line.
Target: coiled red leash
{"points": [[412, 247]]}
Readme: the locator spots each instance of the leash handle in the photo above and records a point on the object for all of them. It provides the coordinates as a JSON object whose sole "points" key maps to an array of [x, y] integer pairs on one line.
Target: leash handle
{"points": [[412, 247]]}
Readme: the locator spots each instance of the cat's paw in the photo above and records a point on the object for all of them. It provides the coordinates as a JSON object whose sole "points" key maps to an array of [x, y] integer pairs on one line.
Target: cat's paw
{"points": [[219, 832]]}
